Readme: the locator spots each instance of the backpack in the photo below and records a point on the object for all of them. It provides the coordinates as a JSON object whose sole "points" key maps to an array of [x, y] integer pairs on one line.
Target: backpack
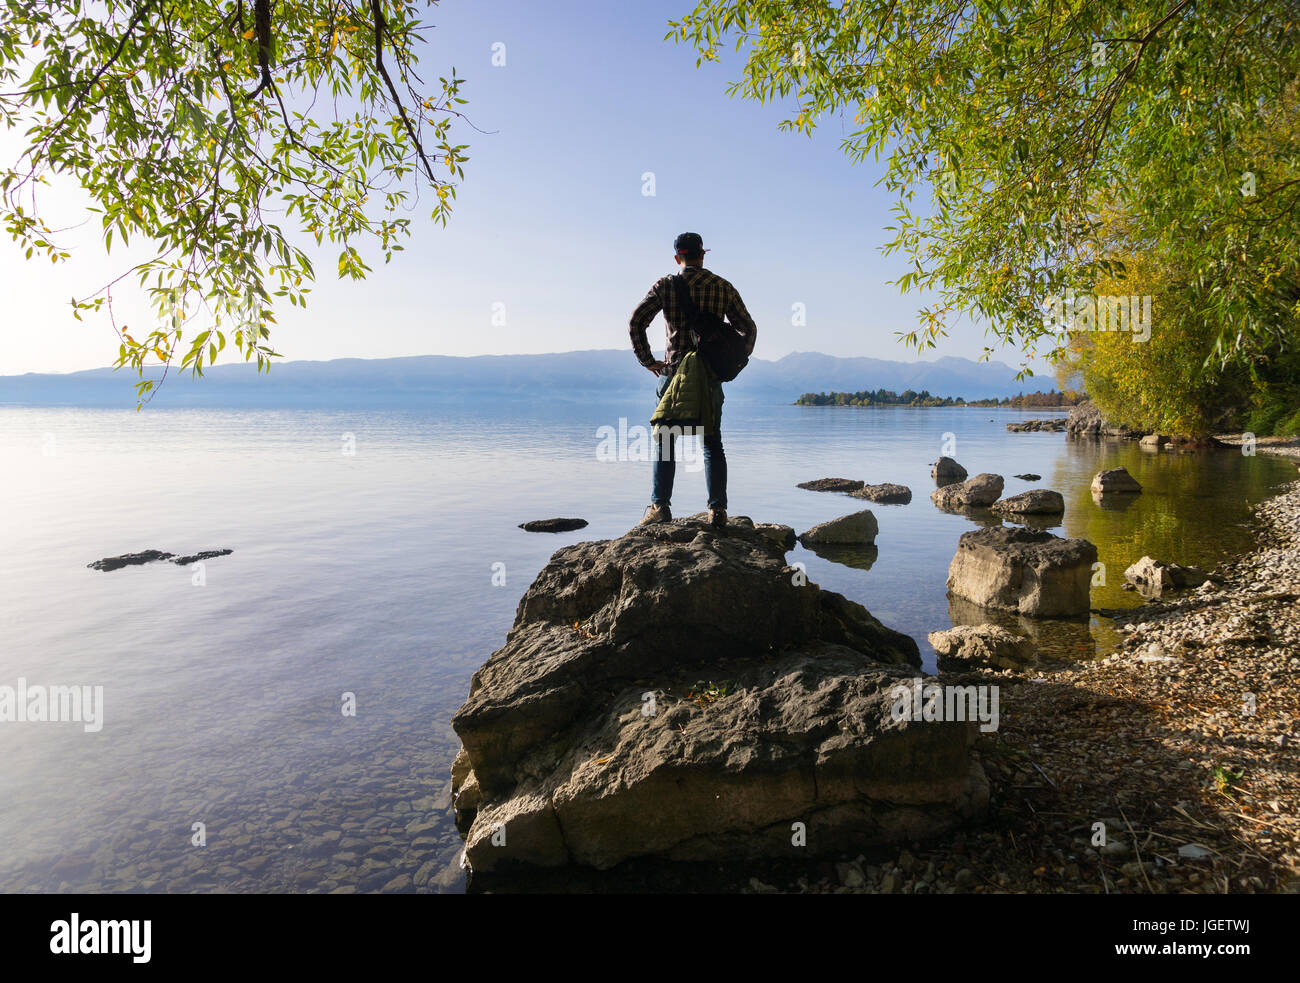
{"points": [[723, 348]]}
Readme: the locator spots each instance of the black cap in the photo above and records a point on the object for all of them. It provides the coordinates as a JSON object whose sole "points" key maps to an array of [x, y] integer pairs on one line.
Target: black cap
{"points": [[688, 242]]}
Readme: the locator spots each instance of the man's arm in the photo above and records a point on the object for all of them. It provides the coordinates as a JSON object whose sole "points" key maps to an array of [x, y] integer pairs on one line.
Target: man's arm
{"points": [[641, 317], [739, 319]]}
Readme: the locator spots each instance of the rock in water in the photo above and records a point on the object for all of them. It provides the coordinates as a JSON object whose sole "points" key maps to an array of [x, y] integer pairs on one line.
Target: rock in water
{"points": [[203, 555], [1153, 575], [150, 556], [1115, 480], [1029, 477], [982, 490], [1056, 425], [886, 493], [832, 485], [1025, 570], [590, 739], [1036, 501], [553, 525], [969, 646], [129, 559], [946, 469], [856, 529]]}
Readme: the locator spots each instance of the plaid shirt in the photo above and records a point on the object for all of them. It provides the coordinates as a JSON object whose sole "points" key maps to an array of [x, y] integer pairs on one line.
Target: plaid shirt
{"points": [[710, 293]]}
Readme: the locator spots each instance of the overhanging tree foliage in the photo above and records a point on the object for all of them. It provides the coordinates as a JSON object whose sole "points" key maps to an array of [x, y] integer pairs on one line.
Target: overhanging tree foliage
{"points": [[222, 134], [1019, 117]]}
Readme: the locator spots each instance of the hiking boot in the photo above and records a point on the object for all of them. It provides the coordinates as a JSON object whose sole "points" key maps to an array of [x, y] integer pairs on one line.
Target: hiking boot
{"points": [[656, 513], [718, 518]]}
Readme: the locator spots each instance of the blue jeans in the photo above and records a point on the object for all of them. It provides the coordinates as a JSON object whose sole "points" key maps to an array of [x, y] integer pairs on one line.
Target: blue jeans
{"points": [[665, 464]]}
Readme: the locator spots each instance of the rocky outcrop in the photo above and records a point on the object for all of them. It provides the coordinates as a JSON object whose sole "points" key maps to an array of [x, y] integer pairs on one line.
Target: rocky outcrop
{"points": [[855, 529], [1086, 420], [202, 555], [832, 485], [981, 490], [1056, 425], [1153, 441], [1030, 571], [553, 525], [128, 560], [987, 646], [1036, 501], [683, 695], [885, 494], [1115, 481], [1151, 575], [946, 470], [151, 556]]}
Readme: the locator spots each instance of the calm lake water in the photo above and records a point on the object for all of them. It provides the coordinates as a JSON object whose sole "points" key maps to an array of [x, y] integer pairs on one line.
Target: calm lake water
{"points": [[364, 550]]}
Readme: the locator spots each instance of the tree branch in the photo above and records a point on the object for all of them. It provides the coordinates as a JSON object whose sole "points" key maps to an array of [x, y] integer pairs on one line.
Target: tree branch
{"points": [[381, 25]]}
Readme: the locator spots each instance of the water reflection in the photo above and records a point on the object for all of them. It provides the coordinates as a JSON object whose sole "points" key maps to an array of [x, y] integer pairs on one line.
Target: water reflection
{"points": [[858, 557]]}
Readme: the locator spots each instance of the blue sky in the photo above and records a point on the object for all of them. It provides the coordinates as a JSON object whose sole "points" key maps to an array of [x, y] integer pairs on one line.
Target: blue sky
{"points": [[551, 221]]}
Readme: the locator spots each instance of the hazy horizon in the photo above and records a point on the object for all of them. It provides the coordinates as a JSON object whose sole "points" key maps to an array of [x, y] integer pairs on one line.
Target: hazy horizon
{"points": [[229, 363]]}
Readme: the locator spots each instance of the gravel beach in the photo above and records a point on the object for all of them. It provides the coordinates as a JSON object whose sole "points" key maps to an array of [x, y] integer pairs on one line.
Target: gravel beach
{"points": [[1182, 742]]}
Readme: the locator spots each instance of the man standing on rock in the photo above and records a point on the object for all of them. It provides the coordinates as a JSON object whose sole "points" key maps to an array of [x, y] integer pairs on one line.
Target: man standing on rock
{"points": [[710, 293]]}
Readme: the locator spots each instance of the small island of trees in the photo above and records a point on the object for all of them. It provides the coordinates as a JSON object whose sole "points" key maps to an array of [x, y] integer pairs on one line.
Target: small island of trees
{"points": [[909, 397]]}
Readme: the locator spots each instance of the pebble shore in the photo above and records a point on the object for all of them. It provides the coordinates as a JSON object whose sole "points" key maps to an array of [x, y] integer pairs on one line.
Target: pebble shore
{"points": [[1182, 742]]}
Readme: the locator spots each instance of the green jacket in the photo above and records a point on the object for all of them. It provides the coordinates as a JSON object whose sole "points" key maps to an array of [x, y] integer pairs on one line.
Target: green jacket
{"points": [[691, 399]]}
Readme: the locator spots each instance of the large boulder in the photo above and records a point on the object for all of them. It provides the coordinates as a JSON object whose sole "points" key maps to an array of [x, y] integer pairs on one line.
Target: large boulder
{"points": [[1036, 501], [981, 491], [885, 494], [683, 695], [1115, 480], [987, 645], [855, 529], [947, 470], [1026, 570]]}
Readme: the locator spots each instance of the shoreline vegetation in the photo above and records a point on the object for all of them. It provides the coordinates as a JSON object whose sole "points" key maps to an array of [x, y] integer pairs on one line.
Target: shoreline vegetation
{"points": [[909, 397]]}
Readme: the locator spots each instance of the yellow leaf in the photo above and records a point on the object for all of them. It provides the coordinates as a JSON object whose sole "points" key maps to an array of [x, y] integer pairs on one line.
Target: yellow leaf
{"points": [[248, 35]]}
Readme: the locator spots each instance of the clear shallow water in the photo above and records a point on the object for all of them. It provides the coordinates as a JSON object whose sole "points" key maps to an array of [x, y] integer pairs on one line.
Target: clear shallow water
{"points": [[371, 573]]}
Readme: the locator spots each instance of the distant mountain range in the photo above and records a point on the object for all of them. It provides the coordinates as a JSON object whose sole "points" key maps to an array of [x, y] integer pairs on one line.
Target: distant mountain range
{"points": [[401, 381]]}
